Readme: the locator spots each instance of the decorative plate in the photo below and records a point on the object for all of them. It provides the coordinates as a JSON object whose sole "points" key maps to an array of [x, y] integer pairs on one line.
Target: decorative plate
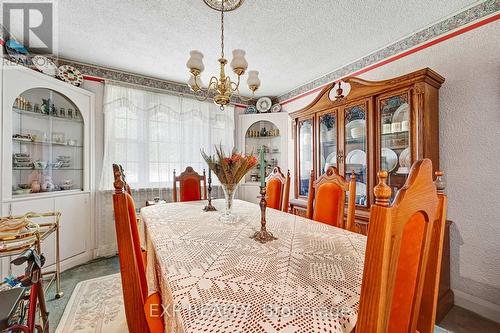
{"points": [[70, 75], [356, 156], [276, 108], [250, 109], [263, 104], [389, 159], [45, 65], [402, 113]]}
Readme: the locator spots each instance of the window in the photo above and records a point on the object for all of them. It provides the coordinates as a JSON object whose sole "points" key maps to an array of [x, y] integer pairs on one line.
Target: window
{"points": [[151, 134]]}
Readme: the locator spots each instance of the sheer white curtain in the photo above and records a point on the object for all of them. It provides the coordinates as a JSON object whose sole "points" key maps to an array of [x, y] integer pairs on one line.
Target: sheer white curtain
{"points": [[151, 134]]}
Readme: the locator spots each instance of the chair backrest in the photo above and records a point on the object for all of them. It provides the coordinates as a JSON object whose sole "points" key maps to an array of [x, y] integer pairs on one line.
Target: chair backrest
{"points": [[127, 186], [190, 185], [326, 200], [430, 293], [129, 250], [278, 189], [397, 254]]}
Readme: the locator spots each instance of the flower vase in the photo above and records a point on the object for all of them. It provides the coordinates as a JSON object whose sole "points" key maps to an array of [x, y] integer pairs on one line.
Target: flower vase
{"points": [[228, 216]]}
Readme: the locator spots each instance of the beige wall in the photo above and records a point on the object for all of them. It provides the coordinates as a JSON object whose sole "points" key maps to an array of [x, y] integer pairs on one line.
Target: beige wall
{"points": [[469, 153]]}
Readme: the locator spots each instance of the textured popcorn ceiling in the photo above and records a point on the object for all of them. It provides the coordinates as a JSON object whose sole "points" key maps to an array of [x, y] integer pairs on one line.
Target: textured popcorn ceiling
{"points": [[290, 42]]}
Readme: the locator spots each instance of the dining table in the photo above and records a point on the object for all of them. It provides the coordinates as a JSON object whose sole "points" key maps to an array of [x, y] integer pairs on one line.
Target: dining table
{"points": [[213, 277]]}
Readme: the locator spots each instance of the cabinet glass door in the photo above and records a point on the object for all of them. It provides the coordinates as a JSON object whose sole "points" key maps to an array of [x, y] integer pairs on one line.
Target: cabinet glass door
{"points": [[305, 155], [47, 143], [355, 158], [327, 141], [395, 154]]}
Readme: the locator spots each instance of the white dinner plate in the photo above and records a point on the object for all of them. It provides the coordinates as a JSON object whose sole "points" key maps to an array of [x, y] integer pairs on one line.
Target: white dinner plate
{"points": [[356, 156], [405, 158], [389, 159], [402, 113], [332, 158], [45, 65]]}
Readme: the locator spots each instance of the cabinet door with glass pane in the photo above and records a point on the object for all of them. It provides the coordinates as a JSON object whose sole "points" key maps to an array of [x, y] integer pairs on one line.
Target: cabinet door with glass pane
{"points": [[354, 155], [327, 123], [394, 155], [305, 154]]}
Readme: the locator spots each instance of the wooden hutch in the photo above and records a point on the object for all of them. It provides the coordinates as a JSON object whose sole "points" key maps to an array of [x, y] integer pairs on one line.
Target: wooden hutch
{"points": [[377, 125]]}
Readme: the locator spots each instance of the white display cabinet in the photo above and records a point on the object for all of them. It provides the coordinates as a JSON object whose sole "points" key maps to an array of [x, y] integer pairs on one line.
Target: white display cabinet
{"points": [[47, 142], [270, 132]]}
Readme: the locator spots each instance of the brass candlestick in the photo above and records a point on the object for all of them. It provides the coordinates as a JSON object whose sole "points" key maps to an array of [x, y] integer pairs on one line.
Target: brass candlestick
{"points": [[209, 207], [263, 236]]}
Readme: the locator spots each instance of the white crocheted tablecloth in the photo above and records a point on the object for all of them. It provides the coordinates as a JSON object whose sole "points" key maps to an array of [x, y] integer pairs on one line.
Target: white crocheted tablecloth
{"points": [[213, 278]]}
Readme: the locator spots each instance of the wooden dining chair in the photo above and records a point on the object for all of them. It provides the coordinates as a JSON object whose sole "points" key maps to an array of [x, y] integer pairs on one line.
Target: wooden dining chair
{"points": [[278, 189], [190, 185], [326, 199], [137, 302], [403, 254]]}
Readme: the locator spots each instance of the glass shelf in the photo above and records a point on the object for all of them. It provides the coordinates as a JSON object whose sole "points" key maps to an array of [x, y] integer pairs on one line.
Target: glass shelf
{"points": [[47, 169], [41, 143], [45, 116], [262, 137]]}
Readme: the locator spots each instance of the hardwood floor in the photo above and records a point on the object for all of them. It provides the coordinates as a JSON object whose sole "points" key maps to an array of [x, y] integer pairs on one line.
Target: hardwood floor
{"points": [[460, 320]]}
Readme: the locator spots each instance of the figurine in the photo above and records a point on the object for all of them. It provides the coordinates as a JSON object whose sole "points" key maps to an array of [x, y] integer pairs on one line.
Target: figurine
{"points": [[46, 106]]}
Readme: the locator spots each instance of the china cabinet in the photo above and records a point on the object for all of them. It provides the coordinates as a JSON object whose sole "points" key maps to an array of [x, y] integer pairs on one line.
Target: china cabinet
{"points": [[377, 125], [267, 131], [46, 140]]}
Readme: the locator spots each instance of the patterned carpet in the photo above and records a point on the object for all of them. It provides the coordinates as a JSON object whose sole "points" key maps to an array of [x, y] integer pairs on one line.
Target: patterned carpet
{"points": [[96, 306]]}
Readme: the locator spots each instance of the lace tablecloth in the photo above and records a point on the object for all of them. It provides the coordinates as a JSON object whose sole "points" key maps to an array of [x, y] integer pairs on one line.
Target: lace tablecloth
{"points": [[213, 278]]}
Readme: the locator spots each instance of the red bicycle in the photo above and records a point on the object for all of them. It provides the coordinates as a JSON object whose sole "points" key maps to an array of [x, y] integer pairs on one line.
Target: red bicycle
{"points": [[19, 305]]}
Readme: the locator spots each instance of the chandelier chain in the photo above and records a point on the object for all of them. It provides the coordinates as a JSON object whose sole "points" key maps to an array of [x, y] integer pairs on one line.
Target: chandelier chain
{"points": [[222, 30]]}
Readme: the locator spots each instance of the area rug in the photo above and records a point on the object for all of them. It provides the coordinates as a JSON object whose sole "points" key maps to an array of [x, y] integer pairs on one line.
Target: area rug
{"points": [[96, 306]]}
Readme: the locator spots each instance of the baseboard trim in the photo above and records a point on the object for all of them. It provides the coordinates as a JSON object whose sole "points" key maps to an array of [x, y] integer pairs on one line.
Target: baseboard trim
{"points": [[475, 304]]}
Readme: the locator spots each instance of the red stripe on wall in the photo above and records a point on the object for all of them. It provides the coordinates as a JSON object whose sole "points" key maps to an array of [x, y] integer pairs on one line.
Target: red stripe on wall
{"points": [[405, 54], [93, 78]]}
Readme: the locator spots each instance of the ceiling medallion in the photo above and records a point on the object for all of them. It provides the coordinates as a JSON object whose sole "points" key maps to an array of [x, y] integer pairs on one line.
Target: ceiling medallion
{"points": [[221, 86], [229, 5]]}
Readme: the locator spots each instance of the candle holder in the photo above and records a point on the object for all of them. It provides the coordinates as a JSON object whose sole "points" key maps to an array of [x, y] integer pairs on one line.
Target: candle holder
{"points": [[263, 236], [209, 207]]}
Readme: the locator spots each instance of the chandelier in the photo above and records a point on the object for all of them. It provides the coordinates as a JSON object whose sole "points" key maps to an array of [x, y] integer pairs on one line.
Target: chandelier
{"points": [[221, 87]]}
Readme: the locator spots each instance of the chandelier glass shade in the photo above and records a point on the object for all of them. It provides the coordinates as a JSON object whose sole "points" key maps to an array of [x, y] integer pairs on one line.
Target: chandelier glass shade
{"points": [[221, 86]]}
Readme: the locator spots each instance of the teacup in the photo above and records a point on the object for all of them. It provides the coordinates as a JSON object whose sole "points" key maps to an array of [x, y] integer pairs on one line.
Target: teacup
{"points": [[404, 125]]}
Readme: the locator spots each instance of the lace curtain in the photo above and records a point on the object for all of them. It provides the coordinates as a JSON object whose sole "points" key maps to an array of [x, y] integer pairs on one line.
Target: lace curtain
{"points": [[151, 134]]}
